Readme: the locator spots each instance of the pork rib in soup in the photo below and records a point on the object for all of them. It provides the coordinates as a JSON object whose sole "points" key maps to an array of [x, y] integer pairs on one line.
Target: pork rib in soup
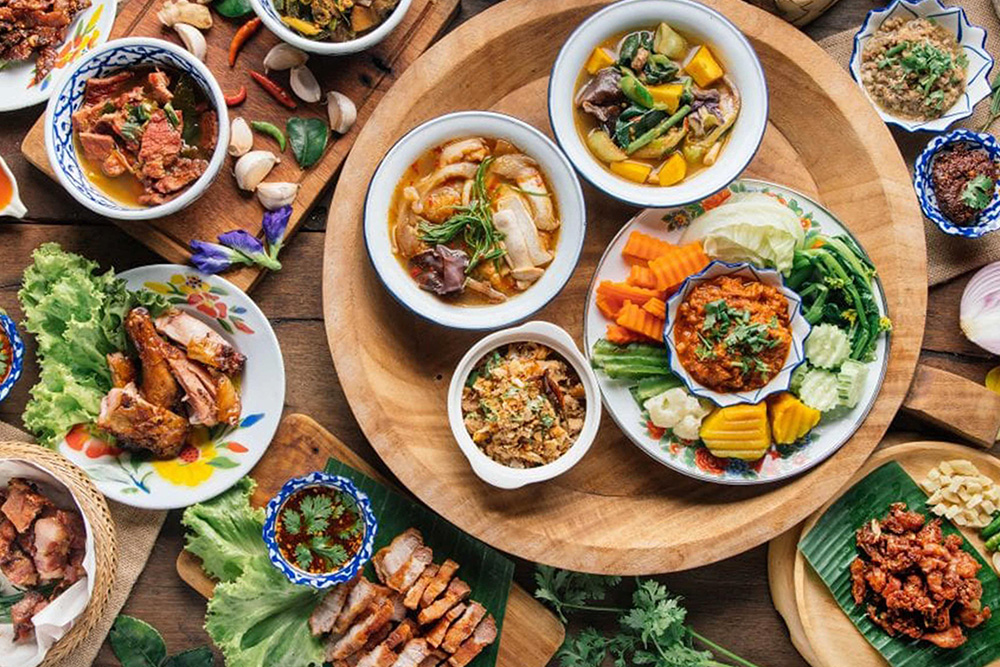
{"points": [[474, 221]]}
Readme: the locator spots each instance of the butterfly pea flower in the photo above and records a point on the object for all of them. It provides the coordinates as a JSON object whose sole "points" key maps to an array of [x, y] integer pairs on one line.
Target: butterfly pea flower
{"points": [[250, 247], [275, 222], [240, 247], [214, 258]]}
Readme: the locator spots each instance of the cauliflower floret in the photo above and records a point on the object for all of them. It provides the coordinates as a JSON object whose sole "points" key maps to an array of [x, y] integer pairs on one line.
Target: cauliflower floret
{"points": [[679, 411]]}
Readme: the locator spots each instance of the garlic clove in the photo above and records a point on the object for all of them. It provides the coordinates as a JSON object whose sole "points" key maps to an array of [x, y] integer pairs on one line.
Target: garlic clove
{"points": [[181, 11], [275, 195], [284, 56], [341, 111], [252, 168], [193, 40], [240, 137], [304, 84]]}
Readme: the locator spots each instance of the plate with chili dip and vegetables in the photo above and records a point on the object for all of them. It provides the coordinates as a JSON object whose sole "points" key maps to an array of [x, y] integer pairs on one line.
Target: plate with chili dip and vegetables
{"points": [[955, 178], [923, 65], [740, 340], [524, 405], [331, 27]]}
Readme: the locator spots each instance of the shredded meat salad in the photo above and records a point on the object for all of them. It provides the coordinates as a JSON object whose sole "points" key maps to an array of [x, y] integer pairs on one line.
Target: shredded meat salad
{"points": [[915, 581], [523, 405]]}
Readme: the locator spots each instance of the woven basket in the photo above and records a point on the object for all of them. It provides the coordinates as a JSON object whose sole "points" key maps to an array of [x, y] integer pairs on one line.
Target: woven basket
{"points": [[101, 527]]}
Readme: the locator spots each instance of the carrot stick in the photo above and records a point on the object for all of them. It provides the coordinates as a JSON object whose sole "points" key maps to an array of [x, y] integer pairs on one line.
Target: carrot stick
{"points": [[675, 267], [634, 318], [644, 246]]}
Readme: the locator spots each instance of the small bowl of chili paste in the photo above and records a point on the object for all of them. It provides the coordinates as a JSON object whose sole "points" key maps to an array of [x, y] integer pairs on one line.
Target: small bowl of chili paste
{"points": [[955, 178], [319, 530]]}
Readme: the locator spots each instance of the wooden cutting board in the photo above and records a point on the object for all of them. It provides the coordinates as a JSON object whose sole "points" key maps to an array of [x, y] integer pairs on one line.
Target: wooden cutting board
{"points": [[364, 77], [531, 633]]}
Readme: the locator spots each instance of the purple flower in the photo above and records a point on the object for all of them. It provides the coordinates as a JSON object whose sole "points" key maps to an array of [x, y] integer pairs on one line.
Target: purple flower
{"points": [[250, 247], [275, 223], [214, 258]]}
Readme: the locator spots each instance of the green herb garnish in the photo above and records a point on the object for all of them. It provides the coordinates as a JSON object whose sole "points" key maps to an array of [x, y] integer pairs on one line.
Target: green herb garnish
{"points": [[317, 511], [978, 193]]}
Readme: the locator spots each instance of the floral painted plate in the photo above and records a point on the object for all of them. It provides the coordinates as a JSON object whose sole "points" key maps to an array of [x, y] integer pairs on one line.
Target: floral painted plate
{"points": [[90, 28], [780, 462], [224, 454]]}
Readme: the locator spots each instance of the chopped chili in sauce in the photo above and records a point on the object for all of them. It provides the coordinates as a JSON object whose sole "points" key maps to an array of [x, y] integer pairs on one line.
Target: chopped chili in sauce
{"points": [[319, 529]]}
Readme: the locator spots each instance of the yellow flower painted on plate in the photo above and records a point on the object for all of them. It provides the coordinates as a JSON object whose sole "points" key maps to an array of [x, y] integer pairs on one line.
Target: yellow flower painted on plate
{"points": [[192, 467]]}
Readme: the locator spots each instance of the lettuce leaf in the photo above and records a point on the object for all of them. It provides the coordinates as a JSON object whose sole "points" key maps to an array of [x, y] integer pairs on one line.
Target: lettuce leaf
{"points": [[76, 317], [225, 532], [753, 228]]}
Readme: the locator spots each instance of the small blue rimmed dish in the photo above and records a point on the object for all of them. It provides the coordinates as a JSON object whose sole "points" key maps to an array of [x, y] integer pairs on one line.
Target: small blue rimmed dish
{"points": [[11, 355], [292, 529], [971, 38], [988, 219], [798, 326]]}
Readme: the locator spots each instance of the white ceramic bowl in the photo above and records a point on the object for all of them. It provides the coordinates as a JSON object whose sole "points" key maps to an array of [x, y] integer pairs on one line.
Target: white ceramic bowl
{"points": [[727, 43], [497, 474], [566, 190], [269, 15], [68, 97], [970, 37]]}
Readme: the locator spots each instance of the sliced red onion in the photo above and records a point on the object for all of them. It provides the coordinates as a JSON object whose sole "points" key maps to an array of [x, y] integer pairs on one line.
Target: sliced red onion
{"points": [[979, 314]]}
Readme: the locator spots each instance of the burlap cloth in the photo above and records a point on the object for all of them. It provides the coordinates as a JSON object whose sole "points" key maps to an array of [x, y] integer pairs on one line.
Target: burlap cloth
{"points": [[137, 531], [947, 256]]}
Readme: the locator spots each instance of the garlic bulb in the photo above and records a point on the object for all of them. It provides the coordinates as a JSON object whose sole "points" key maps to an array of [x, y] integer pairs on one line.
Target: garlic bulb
{"points": [[252, 168], [979, 312], [275, 195], [304, 84], [284, 56], [182, 11], [341, 111], [240, 137], [193, 40]]}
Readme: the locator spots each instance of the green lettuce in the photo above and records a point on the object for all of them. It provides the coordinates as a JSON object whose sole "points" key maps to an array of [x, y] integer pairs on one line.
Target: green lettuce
{"points": [[76, 316], [256, 617]]}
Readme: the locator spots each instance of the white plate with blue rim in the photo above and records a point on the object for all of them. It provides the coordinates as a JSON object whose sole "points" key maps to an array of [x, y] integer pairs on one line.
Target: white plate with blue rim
{"points": [[971, 38]]}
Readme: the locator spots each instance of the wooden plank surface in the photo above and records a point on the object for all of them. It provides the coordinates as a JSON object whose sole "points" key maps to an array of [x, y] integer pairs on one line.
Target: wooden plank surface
{"points": [[728, 601], [363, 77]]}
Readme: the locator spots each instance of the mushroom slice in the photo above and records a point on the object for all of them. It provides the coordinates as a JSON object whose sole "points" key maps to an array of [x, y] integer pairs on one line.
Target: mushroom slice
{"points": [[524, 170], [513, 205]]}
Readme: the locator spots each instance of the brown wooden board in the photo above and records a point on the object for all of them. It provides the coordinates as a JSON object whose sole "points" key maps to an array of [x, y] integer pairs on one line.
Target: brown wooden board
{"points": [[531, 634], [364, 77], [615, 512]]}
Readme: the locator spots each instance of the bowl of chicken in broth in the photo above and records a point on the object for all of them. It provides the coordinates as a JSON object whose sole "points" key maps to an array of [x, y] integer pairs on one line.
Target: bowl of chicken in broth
{"points": [[474, 220]]}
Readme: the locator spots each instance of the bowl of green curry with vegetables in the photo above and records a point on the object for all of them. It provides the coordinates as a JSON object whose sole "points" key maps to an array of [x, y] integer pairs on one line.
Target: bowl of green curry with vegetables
{"points": [[331, 27]]}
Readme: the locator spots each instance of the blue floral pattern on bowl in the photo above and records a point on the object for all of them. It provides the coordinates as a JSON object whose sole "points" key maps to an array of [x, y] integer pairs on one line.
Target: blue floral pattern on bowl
{"points": [[971, 38], [353, 566], [68, 97], [799, 326], [989, 218], [8, 377]]}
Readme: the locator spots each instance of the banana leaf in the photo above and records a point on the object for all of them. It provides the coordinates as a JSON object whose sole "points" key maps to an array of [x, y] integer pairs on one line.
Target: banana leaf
{"points": [[486, 571], [830, 547]]}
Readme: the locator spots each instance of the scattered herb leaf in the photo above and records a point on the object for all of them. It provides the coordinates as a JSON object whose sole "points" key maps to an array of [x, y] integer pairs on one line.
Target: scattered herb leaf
{"points": [[978, 193], [308, 137]]}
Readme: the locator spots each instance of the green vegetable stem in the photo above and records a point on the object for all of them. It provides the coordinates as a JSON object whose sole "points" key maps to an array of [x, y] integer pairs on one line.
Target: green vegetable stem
{"points": [[992, 529], [659, 130], [271, 130]]}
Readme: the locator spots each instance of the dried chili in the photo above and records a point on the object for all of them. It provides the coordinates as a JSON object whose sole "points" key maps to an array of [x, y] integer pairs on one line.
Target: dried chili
{"points": [[236, 98], [245, 32], [274, 90]]}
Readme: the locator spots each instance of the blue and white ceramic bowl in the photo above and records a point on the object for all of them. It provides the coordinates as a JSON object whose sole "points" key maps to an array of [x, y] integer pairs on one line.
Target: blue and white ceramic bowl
{"points": [[971, 38], [269, 15], [989, 219], [799, 326], [8, 377], [354, 565], [68, 97]]}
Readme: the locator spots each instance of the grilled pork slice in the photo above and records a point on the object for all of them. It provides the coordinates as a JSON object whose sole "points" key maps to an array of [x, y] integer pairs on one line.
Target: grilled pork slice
{"points": [[200, 341], [394, 557], [408, 574], [439, 582], [414, 653], [122, 370], [362, 595], [326, 612], [158, 384], [380, 656], [23, 611], [484, 635], [437, 657], [358, 634], [138, 424], [412, 599], [463, 628], [456, 592], [440, 629], [23, 504]]}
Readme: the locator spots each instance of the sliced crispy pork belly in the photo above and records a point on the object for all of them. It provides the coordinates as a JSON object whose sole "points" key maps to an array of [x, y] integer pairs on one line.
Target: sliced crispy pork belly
{"points": [[463, 628], [358, 634], [200, 341], [440, 630], [326, 612], [52, 541], [380, 656], [412, 599], [362, 595], [414, 653], [23, 503], [394, 557], [407, 575], [484, 635], [439, 582], [437, 657], [456, 592]]}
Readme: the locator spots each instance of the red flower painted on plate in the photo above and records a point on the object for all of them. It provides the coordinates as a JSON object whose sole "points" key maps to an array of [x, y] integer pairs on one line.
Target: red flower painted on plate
{"points": [[80, 439], [242, 327], [708, 462], [189, 454], [654, 430], [236, 447]]}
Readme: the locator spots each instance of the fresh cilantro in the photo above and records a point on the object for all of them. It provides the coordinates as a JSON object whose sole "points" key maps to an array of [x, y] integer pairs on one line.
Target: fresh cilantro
{"points": [[303, 556], [566, 590], [547, 420], [292, 521], [978, 193], [351, 531], [334, 554], [317, 511]]}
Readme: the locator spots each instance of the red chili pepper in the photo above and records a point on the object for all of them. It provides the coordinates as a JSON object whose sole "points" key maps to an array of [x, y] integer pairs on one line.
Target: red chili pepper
{"points": [[245, 32], [276, 91], [236, 98]]}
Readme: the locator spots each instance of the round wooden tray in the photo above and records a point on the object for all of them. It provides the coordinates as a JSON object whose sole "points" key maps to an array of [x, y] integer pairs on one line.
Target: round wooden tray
{"points": [[616, 512], [819, 629]]}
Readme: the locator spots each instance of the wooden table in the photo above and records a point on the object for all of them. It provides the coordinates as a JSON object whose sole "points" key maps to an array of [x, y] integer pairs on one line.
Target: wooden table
{"points": [[728, 602]]}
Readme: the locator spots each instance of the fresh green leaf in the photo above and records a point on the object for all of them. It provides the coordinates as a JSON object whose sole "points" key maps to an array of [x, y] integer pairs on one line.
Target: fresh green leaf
{"points": [[303, 556], [334, 554], [308, 137], [317, 512], [292, 521], [196, 657], [978, 192], [233, 8], [136, 643], [589, 648], [566, 590], [225, 532]]}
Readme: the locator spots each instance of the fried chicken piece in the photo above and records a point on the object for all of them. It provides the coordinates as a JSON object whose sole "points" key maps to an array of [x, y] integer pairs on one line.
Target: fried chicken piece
{"points": [[158, 384], [122, 370], [200, 341], [139, 424]]}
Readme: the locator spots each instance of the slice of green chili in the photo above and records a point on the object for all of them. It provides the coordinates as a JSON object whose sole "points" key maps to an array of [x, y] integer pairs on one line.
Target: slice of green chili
{"points": [[270, 130]]}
